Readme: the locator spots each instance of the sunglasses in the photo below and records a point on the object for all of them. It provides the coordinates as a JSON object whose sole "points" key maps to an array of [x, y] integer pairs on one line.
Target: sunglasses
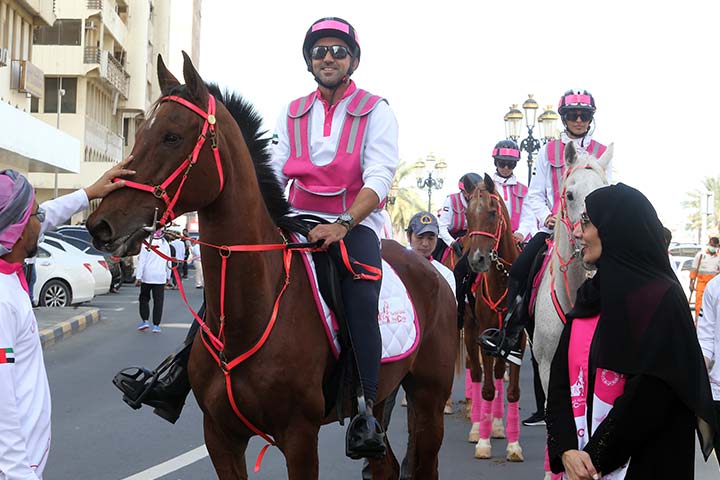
{"points": [[584, 115], [40, 214], [506, 164], [338, 52]]}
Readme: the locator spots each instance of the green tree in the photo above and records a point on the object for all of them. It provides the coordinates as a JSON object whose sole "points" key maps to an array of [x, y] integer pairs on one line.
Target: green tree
{"points": [[407, 200], [694, 202]]}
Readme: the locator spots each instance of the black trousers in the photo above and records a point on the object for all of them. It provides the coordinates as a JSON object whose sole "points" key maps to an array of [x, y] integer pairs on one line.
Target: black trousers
{"points": [[520, 269], [158, 296], [360, 299]]}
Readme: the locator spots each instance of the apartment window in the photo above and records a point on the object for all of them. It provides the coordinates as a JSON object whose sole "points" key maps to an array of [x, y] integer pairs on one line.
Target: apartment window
{"points": [[69, 100], [63, 32], [34, 104]]}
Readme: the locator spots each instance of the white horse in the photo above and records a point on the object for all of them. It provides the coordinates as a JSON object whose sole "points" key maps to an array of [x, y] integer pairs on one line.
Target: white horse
{"points": [[565, 271]]}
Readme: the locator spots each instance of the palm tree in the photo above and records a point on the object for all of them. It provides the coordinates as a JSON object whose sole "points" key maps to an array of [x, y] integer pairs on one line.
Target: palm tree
{"points": [[407, 201], [695, 201]]}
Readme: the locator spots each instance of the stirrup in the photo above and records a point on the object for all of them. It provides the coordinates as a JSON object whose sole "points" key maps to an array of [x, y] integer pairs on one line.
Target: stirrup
{"points": [[493, 343], [135, 383], [365, 438]]}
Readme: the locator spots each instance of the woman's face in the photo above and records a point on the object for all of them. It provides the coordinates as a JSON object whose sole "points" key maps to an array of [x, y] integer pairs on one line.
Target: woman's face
{"points": [[587, 234]]}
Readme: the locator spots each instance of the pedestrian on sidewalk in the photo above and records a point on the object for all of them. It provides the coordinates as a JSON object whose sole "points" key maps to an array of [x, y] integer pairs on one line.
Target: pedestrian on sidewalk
{"points": [[708, 332], [197, 263], [24, 391], [178, 245], [705, 266], [153, 274]]}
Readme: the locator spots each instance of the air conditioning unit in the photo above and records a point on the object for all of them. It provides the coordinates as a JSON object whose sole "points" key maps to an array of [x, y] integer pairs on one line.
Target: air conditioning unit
{"points": [[3, 57], [90, 25]]}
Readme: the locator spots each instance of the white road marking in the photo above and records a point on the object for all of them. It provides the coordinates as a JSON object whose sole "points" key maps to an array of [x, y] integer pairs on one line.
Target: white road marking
{"points": [[172, 465]]}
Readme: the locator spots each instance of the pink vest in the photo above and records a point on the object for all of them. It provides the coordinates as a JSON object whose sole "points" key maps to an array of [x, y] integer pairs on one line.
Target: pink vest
{"points": [[555, 154], [608, 385], [516, 199], [331, 188], [459, 221]]}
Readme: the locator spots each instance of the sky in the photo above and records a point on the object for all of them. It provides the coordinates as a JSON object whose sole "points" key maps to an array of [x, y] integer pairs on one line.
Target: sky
{"points": [[450, 71]]}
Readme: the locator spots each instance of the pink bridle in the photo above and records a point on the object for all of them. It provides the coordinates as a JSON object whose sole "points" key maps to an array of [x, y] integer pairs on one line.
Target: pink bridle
{"points": [[208, 129]]}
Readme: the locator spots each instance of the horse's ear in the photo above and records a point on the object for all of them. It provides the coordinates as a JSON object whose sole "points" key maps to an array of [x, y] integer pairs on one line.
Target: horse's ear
{"points": [[570, 154], [489, 183], [606, 157], [166, 80], [195, 84]]}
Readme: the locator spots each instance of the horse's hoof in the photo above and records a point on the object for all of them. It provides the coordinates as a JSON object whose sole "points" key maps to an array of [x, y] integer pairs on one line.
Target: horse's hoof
{"points": [[474, 435], [548, 476], [514, 452], [483, 449], [468, 408], [448, 410], [498, 429]]}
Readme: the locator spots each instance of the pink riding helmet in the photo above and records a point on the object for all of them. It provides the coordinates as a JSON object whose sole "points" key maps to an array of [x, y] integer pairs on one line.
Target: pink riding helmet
{"points": [[576, 99]]}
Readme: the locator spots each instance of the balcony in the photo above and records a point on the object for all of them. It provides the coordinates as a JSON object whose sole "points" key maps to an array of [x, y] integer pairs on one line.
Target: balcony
{"points": [[110, 70]]}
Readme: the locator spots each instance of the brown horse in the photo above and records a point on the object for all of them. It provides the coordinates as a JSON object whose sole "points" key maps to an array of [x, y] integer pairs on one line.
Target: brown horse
{"points": [[491, 249], [277, 390]]}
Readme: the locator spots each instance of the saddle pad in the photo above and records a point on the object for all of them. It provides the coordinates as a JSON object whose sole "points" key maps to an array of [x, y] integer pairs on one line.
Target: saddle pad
{"points": [[397, 318]]}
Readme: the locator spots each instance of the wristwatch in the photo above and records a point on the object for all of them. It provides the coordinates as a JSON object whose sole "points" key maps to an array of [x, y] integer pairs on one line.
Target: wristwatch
{"points": [[346, 220]]}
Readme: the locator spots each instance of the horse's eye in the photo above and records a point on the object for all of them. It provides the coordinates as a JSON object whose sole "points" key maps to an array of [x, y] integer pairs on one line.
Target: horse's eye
{"points": [[171, 138], [570, 196]]}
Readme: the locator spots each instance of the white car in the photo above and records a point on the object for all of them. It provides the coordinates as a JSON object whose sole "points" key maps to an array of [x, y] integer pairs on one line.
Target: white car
{"points": [[96, 264], [683, 274], [62, 278]]}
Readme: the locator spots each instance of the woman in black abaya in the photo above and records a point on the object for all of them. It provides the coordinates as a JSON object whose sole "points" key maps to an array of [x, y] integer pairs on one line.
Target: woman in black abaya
{"points": [[644, 333]]}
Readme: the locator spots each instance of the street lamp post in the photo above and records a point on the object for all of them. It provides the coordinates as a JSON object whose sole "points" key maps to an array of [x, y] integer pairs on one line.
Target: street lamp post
{"points": [[430, 175], [513, 120], [60, 93]]}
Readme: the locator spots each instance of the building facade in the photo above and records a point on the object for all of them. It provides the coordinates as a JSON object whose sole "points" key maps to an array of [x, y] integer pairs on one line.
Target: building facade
{"points": [[28, 144], [99, 60]]}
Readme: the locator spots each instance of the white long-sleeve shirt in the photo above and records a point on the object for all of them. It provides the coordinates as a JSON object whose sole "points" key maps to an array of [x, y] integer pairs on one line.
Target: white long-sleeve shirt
{"points": [[380, 155], [529, 227], [24, 391], [708, 332], [151, 267], [445, 219], [540, 198]]}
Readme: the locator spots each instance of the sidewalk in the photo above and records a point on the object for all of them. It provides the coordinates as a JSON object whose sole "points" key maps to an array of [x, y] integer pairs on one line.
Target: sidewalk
{"points": [[57, 323]]}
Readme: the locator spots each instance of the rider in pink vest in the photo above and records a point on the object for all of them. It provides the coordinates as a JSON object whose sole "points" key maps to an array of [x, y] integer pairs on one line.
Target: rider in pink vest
{"points": [[506, 154], [577, 110], [337, 148], [451, 218]]}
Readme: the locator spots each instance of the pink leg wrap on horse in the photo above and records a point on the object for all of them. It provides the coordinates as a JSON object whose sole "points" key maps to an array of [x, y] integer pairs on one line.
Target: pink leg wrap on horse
{"points": [[468, 384], [513, 422], [476, 404], [547, 459], [498, 404], [485, 420]]}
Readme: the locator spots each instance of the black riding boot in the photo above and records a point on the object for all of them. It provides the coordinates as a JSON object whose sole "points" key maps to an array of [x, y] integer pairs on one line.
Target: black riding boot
{"points": [[165, 388], [463, 282], [505, 342]]}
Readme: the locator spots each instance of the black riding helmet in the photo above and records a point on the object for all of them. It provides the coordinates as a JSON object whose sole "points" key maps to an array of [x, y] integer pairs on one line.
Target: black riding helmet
{"points": [[469, 181], [576, 100], [331, 27], [506, 150]]}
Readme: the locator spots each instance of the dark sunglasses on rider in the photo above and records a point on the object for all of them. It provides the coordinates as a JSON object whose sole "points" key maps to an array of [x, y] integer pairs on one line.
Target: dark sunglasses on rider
{"points": [[506, 163], [584, 115], [338, 52]]}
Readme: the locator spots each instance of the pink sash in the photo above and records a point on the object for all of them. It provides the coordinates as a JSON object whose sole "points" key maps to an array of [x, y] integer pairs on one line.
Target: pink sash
{"points": [[16, 268]]}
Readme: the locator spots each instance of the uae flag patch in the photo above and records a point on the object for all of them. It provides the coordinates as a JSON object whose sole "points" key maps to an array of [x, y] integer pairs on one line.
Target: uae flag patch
{"points": [[7, 355]]}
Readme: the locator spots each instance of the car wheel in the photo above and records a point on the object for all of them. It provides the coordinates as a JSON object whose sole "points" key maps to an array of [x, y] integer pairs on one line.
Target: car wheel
{"points": [[55, 293]]}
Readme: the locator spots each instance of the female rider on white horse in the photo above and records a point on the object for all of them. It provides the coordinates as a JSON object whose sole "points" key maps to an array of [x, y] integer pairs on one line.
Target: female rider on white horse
{"points": [[577, 109]]}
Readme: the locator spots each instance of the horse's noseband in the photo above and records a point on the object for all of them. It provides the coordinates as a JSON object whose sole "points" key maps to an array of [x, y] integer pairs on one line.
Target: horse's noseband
{"points": [[208, 129]]}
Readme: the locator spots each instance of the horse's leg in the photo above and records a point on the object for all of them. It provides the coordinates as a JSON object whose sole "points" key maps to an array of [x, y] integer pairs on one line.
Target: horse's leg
{"points": [[386, 467], [498, 404], [514, 451], [426, 426], [227, 454], [483, 448], [299, 444], [473, 357]]}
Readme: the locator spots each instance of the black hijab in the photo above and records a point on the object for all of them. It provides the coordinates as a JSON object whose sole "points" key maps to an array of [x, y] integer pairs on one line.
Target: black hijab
{"points": [[645, 325]]}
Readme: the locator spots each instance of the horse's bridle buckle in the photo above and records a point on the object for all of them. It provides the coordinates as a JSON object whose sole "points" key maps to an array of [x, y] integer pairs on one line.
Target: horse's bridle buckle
{"points": [[159, 192]]}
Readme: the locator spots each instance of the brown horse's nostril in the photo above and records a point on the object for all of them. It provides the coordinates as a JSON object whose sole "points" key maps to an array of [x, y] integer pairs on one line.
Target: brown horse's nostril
{"points": [[101, 232]]}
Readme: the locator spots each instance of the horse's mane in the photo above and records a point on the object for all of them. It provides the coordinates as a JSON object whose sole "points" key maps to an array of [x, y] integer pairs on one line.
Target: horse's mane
{"points": [[258, 143]]}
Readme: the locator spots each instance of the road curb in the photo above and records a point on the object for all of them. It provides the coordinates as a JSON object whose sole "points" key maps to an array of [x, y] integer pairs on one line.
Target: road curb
{"points": [[78, 323]]}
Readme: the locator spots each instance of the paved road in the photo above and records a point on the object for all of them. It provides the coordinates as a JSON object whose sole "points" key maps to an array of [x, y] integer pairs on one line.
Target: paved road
{"points": [[96, 436]]}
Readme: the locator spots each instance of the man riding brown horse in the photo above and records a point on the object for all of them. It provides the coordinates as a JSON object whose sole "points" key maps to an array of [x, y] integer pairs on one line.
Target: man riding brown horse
{"points": [[338, 146]]}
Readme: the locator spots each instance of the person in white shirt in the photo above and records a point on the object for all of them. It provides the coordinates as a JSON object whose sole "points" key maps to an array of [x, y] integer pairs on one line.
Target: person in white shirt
{"points": [[24, 391], [506, 154], [452, 223], [197, 264], [577, 110], [178, 244], [708, 332], [153, 273]]}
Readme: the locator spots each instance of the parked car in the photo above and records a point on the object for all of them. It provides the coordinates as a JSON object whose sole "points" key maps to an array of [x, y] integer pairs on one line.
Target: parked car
{"points": [[81, 232], [687, 250], [62, 278], [96, 264], [112, 263]]}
